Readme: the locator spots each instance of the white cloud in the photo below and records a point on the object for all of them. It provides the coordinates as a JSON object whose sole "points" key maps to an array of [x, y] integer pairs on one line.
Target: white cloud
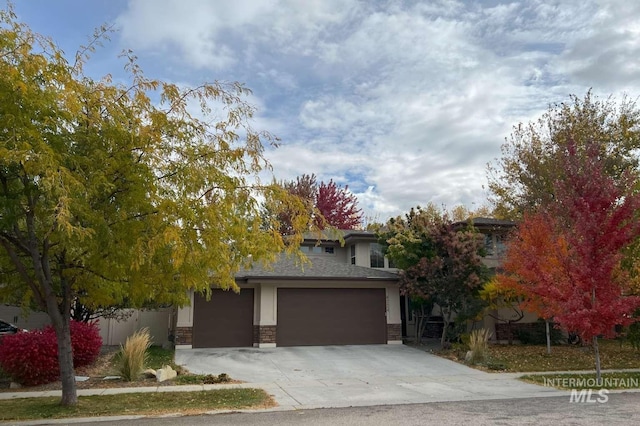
{"points": [[404, 101]]}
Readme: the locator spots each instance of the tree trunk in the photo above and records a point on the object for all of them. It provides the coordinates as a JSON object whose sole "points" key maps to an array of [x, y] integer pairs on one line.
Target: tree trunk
{"points": [[65, 361], [548, 332], [509, 333], [596, 352], [60, 318], [445, 319], [419, 320]]}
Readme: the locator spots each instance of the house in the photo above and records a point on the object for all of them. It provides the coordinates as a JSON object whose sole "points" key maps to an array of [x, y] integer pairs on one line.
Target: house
{"points": [[495, 233], [346, 295]]}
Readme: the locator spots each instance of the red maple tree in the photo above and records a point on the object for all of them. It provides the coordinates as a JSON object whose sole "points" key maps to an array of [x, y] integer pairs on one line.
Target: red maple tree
{"points": [[534, 260], [567, 256], [338, 206]]}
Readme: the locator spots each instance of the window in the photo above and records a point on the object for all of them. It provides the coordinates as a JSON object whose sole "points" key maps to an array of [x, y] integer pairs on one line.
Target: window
{"points": [[375, 253], [488, 244], [500, 245], [311, 250], [328, 250], [353, 254]]}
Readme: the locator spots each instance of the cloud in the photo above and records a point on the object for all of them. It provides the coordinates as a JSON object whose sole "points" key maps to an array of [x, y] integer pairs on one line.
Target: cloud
{"points": [[404, 101]]}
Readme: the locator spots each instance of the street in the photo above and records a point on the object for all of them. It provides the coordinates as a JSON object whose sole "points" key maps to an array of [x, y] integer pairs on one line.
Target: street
{"points": [[621, 408]]}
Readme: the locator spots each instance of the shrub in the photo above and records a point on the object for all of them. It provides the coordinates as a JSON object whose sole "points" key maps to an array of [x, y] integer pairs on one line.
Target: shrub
{"points": [[537, 335], [633, 335], [203, 379], [32, 358], [86, 342], [478, 345], [134, 354]]}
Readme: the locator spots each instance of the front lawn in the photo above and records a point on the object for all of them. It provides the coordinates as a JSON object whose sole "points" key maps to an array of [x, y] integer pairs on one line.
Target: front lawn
{"points": [[525, 358], [156, 403], [617, 380], [534, 358]]}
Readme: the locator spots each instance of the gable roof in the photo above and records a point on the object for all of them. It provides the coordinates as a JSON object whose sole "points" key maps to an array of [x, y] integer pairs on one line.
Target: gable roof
{"points": [[320, 267]]}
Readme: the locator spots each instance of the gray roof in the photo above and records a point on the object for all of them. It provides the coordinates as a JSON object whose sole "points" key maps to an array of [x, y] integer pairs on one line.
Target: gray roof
{"points": [[320, 267], [487, 222], [491, 221], [334, 235]]}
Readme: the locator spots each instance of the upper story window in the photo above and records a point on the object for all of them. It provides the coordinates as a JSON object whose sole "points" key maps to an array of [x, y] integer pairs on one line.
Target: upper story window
{"points": [[375, 253], [353, 254], [494, 245], [501, 247], [488, 245], [317, 250]]}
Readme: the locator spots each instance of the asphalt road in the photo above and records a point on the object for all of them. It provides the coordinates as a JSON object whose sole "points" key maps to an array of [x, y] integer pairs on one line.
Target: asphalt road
{"points": [[620, 409]]}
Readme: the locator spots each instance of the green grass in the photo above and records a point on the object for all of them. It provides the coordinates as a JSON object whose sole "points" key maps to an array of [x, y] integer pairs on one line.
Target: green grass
{"points": [[526, 358], [617, 380], [202, 379], [134, 404], [157, 357]]}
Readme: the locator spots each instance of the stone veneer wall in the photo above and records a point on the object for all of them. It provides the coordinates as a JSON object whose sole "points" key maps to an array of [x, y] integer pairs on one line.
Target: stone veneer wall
{"points": [[184, 335], [256, 334], [267, 334], [394, 332]]}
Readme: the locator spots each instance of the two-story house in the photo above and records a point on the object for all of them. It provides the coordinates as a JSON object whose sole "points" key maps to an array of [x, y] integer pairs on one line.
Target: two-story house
{"points": [[346, 294], [495, 232]]}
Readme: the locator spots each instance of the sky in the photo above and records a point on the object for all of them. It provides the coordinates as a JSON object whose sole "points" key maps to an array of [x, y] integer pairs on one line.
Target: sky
{"points": [[403, 101]]}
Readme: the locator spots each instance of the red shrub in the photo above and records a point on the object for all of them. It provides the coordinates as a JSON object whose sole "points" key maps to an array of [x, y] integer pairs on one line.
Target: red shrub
{"points": [[86, 342], [32, 358]]}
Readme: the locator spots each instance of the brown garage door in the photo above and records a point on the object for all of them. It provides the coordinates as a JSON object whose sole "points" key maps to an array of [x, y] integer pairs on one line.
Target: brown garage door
{"points": [[224, 321], [331, 316]]}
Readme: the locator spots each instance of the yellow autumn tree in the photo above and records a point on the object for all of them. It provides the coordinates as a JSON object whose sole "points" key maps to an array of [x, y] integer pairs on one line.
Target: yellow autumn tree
{"points": [[113, 192]]}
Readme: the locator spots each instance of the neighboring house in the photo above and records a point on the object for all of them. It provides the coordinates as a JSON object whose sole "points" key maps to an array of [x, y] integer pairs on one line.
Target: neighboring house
{"points": [[345, 295]]}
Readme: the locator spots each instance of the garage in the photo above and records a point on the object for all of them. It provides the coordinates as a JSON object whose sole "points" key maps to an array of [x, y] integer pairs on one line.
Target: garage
{"points": [[331, 316], [224, 321]]}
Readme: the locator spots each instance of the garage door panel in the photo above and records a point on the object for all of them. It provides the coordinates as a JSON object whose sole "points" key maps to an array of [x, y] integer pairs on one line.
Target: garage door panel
{"points": [[224, 321], [331, 317]]}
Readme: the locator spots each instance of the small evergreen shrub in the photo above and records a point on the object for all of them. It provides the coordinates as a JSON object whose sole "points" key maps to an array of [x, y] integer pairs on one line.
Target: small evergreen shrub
{"points": [[134, 355], [633, 335], [537, 335], [31, 358]]}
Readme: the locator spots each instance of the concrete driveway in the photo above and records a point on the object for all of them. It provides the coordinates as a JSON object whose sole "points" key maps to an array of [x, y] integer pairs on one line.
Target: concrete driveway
{"points": [[343, 376]]}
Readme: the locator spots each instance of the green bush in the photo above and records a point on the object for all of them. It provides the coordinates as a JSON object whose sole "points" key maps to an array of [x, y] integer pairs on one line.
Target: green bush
{"points": [[633, 335], [495, 365], [133, 355], [538, 336], [203, 379]]}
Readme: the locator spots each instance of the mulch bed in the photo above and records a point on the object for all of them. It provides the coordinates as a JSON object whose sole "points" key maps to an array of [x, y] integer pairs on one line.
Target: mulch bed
{"points": [[96, 374]]}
